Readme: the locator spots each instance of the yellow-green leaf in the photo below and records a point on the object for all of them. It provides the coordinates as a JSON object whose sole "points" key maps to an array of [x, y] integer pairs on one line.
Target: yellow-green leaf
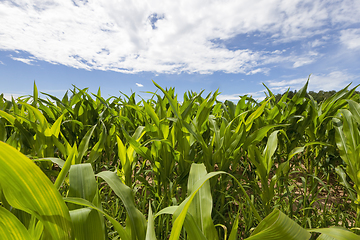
{"points": [[27, 188], [11, 228]]}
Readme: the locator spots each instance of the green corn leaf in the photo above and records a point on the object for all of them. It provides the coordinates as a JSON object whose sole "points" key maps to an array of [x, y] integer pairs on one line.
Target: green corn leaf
{"points": [[355, 109], [82, 202], [191, 227], [66, 167], [269, 91], [257, 113], [59, 146], [343, 180], [201, 206], [83, 185], [122, 153], [143, 151], [325, 237], [73, 122], [167, 210], [11, 228], [182, 210], [137, 219], [36, 229], [57, 161], [259, 134], [333, 99], [27, 188], [193, 230], [234, 230], [150, 111], [55, 128], [82, 182], [301, 149], [8, 117], [347, 137], [335, 102], [277, 226], [269, 150], [188, 106], [35, 95], [98, 96], [3, 132], [57, 100], [150, 230], [87, 224], [337, 233], [299, 96], [295, 151], [125, 161], [42, 122], [203, 111], [84, 144], [97, 150], [173, 102]]}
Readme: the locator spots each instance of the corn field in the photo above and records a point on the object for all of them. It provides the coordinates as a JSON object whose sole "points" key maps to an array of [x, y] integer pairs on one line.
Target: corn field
{"points": [[89, 167]]}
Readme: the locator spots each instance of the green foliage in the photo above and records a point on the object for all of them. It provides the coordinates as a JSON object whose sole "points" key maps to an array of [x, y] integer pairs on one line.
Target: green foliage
{"points": [[207, 169]]}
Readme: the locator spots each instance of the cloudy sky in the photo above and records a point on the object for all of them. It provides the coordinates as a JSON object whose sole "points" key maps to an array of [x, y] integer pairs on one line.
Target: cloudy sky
{"points": [[230, 45]]}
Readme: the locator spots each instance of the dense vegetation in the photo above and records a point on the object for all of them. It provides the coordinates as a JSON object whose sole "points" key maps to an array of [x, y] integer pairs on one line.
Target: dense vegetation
{"points": [[317, 96], [195, 169]]}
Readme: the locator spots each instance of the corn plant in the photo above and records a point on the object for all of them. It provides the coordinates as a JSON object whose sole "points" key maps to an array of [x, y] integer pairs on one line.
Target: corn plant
{"points": [[348, 141], [262, 156], [51, 218]]}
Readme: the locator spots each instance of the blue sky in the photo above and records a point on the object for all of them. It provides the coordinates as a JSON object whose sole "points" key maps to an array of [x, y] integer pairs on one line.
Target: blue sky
{"points": [[233, 45]]}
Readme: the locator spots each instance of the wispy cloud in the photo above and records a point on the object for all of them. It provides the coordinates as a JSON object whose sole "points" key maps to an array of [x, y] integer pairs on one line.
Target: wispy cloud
{"points": [[302, 61], [317, 43], [305, 59], [139, 85], [171, 36], [351, 38], [24, 60]]}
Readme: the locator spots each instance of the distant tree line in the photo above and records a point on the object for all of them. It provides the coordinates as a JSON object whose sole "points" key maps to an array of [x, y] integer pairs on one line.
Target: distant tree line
{"points": [[317, 96]]}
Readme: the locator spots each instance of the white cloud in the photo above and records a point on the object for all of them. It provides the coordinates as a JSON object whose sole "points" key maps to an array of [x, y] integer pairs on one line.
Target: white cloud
{"points": [[335, 80], [351, 38], [302, 61], [2, 63], [139, 85], [346, 11], [24, 60], [305, 59], [258, 70], [163, 36], [317, 43]]}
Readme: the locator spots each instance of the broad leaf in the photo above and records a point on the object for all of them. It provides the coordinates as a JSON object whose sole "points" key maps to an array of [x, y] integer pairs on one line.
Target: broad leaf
{"points": [[11, 228], [27, 188], [277, 226]]}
